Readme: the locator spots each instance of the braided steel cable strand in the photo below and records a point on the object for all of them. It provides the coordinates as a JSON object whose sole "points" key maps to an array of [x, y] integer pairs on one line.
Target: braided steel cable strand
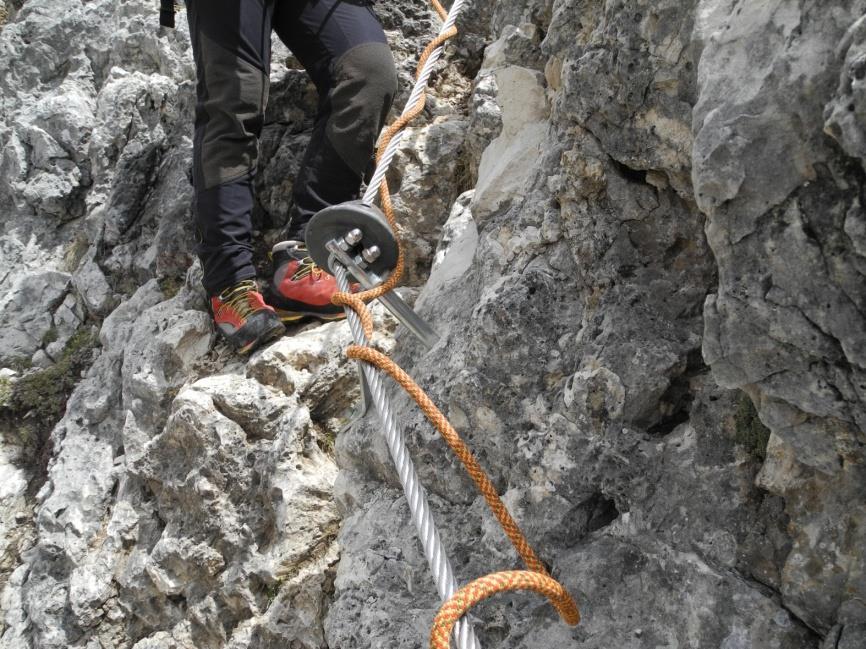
{"points": [[419, 507], [458, 447], [564, 603], [423, 72]]}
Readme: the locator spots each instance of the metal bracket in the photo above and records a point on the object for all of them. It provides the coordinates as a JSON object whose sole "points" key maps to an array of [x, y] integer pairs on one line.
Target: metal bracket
{"points": [[393, 302], [365, 403]]}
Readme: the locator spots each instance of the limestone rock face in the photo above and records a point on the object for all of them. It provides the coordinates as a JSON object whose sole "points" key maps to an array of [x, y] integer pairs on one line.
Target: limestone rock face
{"points": [[786, 322], [637, 228]]}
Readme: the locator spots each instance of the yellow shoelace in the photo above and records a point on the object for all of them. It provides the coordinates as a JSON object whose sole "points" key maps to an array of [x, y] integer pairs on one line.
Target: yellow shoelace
{"points": [[237, 298], [307, 267]]}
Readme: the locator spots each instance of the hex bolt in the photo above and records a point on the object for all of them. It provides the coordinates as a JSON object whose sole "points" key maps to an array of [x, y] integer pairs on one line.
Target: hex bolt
{"points": [[371, 254], [354, 236]]}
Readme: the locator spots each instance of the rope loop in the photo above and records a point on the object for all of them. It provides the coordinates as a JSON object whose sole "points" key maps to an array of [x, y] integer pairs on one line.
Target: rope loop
{"points": [[499, 582]]}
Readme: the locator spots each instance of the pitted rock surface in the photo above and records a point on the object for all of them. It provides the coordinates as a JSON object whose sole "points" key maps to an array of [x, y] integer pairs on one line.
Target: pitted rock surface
{"points": [[638, 229]]}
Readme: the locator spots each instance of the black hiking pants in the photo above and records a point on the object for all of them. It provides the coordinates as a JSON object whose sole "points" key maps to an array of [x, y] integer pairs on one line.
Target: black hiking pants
{"points": [[342, 46]]}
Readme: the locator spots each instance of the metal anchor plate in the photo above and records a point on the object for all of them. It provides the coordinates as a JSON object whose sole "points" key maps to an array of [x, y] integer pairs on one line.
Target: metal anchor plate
{"points": [[357, 236]]}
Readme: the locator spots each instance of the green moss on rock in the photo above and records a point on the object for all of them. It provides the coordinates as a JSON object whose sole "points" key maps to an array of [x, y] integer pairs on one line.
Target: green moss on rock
{"points": [[170, 286], [34, 403], [75, 252], [49, 337], [749, 431]]}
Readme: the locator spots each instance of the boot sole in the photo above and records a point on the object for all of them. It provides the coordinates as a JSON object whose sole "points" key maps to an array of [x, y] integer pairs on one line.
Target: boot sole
{"points": [[295, 316], [267, 337]]}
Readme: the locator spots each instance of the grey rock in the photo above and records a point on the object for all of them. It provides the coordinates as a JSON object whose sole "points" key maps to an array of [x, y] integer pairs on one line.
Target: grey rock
{"points": [[90, 283], [161, 360], [15, 537], [787, 324], [601, 426], [637, 228], [507, 161], [203, 468], [66, 320], [485, 120], [853, 635], [455, 251], [635, 90], [25, 311], [40, 360], [428, 156], [844, 113], [845, 636]]}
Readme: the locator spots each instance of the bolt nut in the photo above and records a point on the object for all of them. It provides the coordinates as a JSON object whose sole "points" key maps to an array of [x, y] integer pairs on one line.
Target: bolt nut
{"points": [[354, 236], [371, 254]]}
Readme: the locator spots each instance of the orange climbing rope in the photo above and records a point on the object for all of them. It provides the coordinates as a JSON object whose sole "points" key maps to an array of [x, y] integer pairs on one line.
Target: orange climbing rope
{"points": [[536, 578]]}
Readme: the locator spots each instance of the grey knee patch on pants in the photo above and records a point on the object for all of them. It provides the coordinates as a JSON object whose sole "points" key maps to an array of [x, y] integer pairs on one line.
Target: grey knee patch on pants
{"points": [[365, 82], [236, 95]]}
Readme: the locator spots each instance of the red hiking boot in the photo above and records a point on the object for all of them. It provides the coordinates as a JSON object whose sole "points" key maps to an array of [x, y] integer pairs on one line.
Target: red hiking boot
{"points": [[299, 288], [241, 315]]}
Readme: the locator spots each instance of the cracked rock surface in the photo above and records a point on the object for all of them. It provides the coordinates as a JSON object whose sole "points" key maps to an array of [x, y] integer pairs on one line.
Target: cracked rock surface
{"points": [[639, 230]]}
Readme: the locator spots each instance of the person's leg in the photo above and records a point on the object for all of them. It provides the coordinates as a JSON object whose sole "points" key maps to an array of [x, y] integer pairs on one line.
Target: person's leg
{"points": [[344, 50], [231, 42]]}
